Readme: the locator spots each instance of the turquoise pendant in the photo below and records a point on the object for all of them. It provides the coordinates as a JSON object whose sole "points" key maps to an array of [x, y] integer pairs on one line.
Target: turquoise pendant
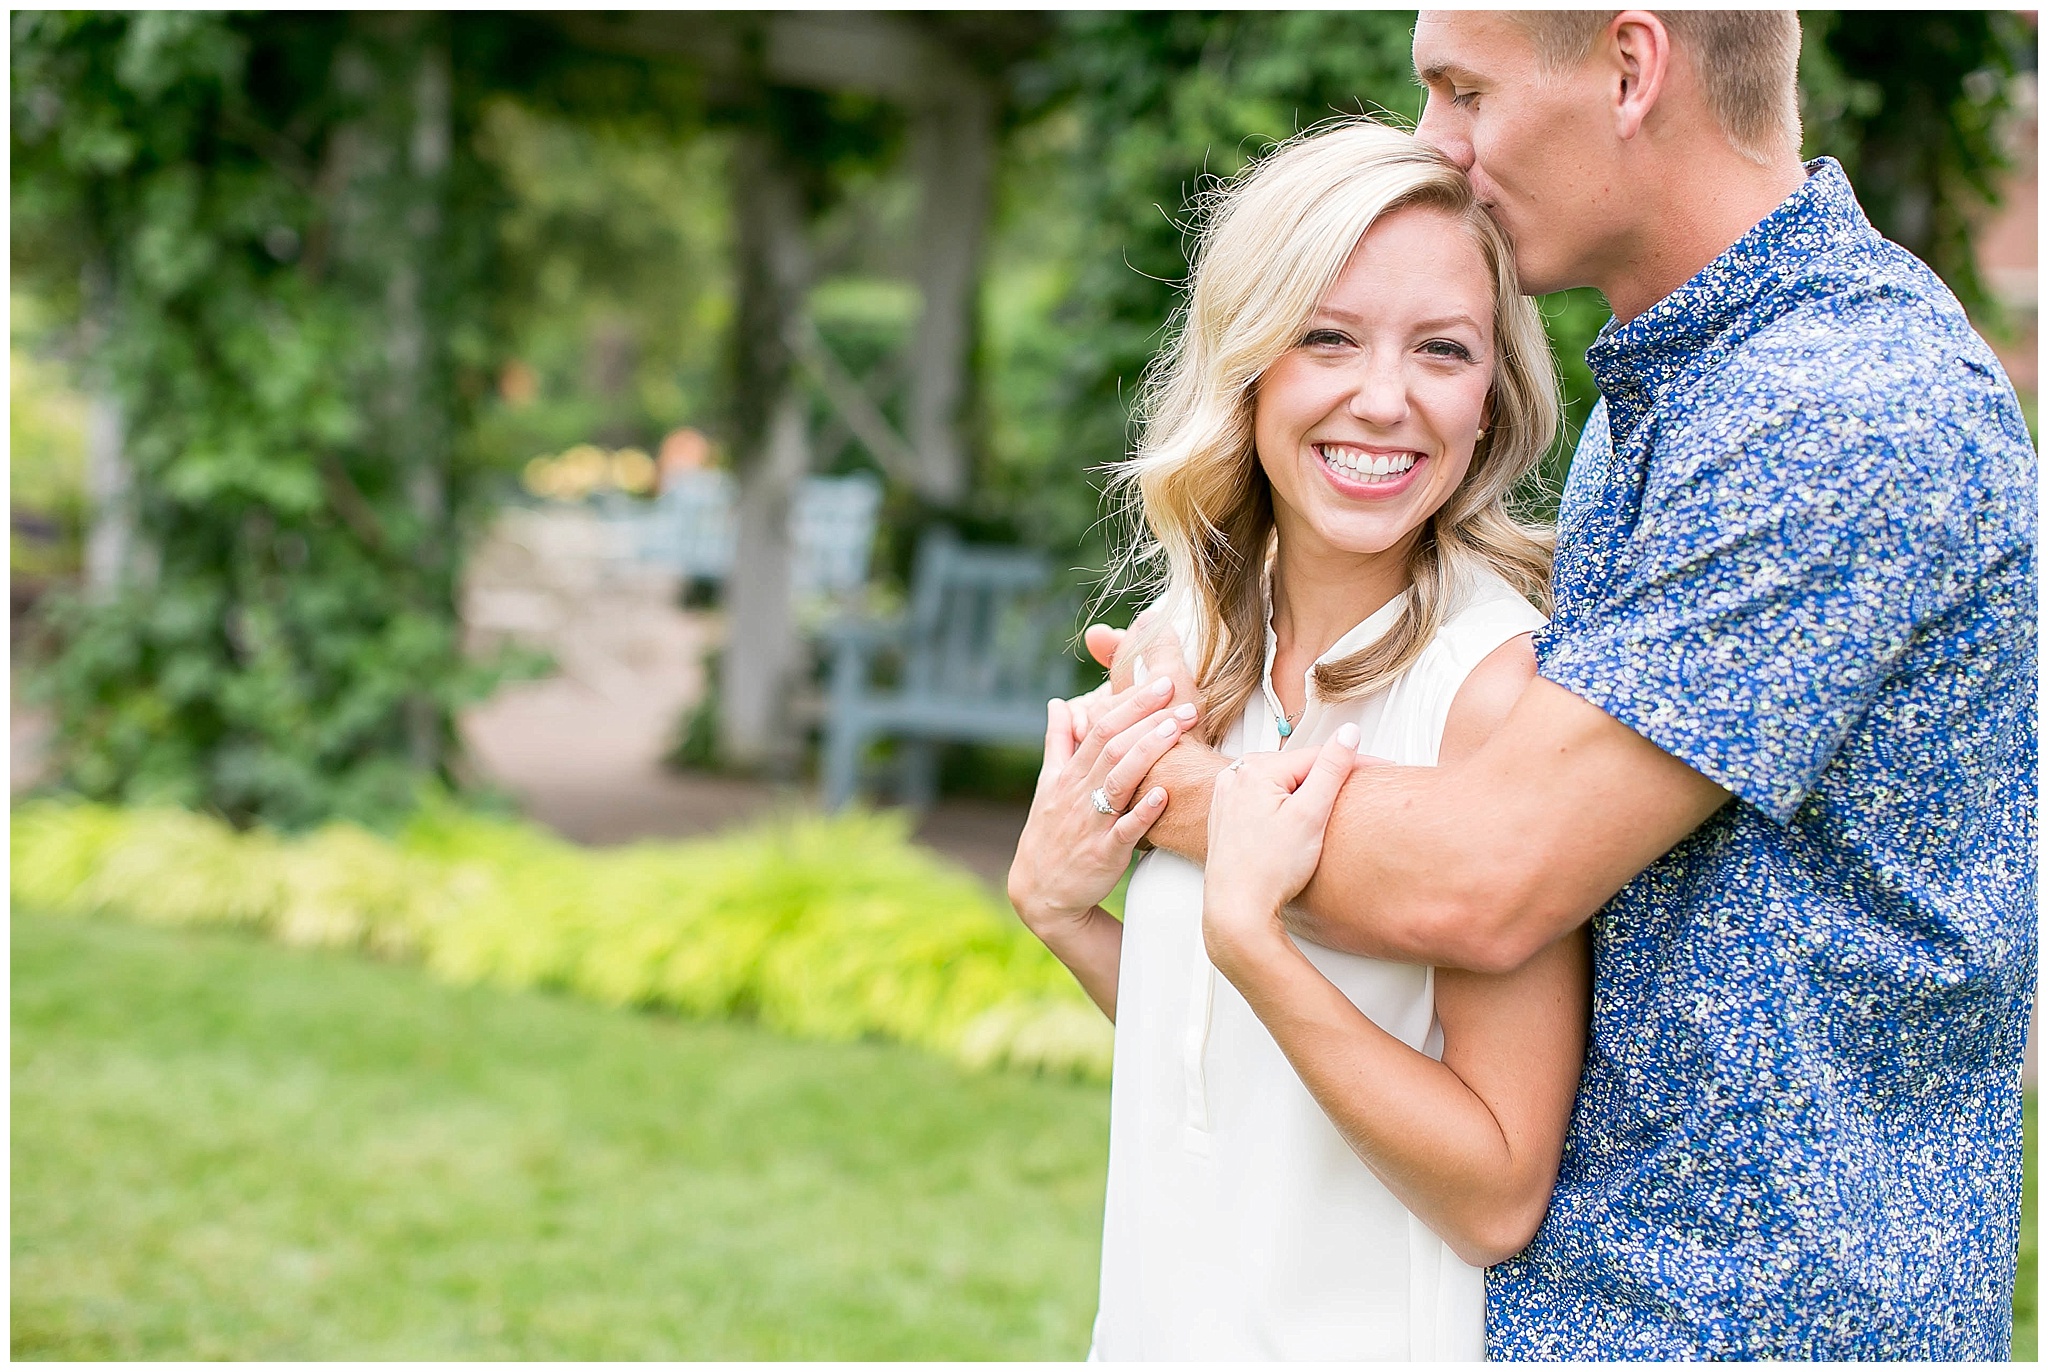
{"points": [[1286, 729]]}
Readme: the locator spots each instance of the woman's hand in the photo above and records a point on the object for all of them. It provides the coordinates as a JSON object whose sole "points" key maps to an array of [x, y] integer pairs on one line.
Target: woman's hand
{"points": [[1266, 821], [1071, 854]]}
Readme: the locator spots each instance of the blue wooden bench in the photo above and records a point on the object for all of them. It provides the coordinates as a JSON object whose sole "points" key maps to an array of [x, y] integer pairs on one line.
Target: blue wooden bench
{"points": [[690, 530], [986, 641]]}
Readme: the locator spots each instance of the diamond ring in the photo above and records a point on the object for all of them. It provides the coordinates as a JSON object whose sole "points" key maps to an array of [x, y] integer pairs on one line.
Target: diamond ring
{"points": [[1099, 798]]}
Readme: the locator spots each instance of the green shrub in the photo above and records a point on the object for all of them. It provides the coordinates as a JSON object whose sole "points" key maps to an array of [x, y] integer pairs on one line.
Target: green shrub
{"points": [[830, 928]]}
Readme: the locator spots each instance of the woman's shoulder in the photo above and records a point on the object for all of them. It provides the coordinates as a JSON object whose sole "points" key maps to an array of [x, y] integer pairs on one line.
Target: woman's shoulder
{"points": [[1464, 673]]}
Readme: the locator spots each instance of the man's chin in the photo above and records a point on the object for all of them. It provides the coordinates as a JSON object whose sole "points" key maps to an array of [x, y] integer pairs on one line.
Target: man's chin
{"points": [[1537, 276]]}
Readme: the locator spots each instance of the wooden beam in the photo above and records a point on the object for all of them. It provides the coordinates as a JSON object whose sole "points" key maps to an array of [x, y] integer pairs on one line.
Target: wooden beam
{"points": [[874, 54]]}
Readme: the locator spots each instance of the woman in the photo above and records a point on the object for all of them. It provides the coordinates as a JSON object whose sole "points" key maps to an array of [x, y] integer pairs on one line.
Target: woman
{"points": [[1312, 1154]]}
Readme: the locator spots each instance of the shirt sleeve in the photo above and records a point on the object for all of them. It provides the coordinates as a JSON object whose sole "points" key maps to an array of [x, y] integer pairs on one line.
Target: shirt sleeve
{"points": [[1786, 553]]}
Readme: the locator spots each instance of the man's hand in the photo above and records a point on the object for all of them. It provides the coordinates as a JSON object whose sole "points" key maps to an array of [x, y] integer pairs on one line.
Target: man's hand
{"points": [[1157, 645]]}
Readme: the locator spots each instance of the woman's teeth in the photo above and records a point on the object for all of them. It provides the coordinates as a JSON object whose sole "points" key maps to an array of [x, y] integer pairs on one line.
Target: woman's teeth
{"points": [[1368, 468]]}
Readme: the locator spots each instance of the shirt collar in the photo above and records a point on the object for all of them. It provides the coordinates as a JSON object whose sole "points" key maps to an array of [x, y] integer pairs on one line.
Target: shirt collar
{"points": [[1362, 635], [1633, 362]]}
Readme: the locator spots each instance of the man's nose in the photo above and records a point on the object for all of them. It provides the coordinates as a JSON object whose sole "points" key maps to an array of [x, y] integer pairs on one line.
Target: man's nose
{"points": [[1438, 127]]}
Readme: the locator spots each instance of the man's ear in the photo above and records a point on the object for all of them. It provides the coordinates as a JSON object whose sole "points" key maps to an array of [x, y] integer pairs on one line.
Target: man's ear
{"points": [[1638, 49]]}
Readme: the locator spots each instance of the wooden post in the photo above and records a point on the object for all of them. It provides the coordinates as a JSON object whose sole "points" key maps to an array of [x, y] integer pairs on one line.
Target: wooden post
{"points": [[422, 432], [952, 155], [110, 535], [771, 454], [388, 171]]}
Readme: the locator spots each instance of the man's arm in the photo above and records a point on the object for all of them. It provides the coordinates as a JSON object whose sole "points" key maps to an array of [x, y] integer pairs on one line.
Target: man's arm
{"points": [[1481, 864]]}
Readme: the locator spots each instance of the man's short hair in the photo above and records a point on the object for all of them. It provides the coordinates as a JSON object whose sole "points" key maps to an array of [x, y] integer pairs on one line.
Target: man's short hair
{"points": [[1747, 62]]}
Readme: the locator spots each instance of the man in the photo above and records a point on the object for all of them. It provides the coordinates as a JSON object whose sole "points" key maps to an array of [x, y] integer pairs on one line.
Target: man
{"points": [[1781, 748]]}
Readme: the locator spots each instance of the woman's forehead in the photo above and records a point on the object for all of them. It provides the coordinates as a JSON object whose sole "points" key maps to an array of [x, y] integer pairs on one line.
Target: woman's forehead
{"points": [[1422, 257]]}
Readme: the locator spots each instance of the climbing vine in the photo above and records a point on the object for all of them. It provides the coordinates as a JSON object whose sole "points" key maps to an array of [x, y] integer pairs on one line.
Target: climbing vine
{"points": [[276, 240]]}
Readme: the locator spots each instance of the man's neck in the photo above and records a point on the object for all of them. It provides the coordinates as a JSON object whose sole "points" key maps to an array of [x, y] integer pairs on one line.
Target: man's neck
{"points": [[1700, 215]]}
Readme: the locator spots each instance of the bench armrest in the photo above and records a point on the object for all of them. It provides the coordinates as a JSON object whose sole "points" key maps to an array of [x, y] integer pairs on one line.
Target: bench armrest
{"points": [[866, 634]]}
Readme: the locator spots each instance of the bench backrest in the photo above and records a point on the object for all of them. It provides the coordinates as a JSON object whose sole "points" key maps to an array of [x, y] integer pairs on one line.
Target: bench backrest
{"points": [[986, 625], [692, 529], [833, 527]]}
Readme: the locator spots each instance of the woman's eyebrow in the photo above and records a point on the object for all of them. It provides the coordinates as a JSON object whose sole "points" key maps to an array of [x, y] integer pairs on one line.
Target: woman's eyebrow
{"points": [[1326, 314]]}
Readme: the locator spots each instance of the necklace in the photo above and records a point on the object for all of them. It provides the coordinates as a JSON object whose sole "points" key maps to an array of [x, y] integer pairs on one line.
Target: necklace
{"points": [[1286, 722]]}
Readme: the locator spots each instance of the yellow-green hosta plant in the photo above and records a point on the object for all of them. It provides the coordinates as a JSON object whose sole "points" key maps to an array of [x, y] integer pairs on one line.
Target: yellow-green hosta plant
{"points": [[821, 927]]}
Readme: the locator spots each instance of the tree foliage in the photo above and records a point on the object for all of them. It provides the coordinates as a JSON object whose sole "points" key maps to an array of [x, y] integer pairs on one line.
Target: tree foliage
{"points": [[1148, 110], [1912, 103], [276, 232]]}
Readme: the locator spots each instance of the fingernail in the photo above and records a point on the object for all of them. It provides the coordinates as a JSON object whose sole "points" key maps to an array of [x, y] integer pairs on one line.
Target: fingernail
{"points": [[1156, 796], [1168, 729], [1163, 686], [1348, 735], [1184, 712]]}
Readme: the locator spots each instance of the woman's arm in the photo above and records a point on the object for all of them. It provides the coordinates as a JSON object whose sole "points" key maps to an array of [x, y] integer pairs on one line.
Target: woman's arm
{"points": [[1071, 855], [1470, 1144]]}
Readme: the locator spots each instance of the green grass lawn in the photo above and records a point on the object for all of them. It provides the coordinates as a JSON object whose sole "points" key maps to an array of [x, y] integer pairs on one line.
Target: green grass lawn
{"points": [[222, 1149]]}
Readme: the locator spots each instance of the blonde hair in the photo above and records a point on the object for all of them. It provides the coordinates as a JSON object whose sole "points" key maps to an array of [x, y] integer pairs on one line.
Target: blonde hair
{"points": [[1747, 62], [1199, 505]]}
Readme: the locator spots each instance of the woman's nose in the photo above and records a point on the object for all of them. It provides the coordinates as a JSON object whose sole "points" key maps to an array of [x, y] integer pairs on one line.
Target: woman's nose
{"points": [[1379, 393]]}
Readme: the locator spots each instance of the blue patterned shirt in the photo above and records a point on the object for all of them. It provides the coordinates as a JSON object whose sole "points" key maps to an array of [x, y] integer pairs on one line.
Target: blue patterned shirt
{"points": [[1796, 551]]}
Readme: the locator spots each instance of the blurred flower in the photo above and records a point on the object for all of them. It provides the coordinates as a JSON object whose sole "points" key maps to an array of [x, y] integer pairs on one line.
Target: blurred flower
{"points": [[633, 471], [539, 476], [581, 470], [518, 384]]}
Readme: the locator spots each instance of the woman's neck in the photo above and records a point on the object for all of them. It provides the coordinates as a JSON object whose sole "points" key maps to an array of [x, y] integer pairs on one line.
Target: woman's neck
{"points": [[1321, 594]]}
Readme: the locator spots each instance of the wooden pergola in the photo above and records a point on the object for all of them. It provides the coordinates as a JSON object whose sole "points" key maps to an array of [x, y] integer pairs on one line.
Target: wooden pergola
{"points": [[946, 73]]}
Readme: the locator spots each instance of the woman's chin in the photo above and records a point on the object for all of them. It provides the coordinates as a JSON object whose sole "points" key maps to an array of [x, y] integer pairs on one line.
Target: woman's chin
{"points": [[1347, 533]]}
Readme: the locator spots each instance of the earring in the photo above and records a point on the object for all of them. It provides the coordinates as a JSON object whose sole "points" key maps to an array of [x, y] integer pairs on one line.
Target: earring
{"points": [[1482, 431]]}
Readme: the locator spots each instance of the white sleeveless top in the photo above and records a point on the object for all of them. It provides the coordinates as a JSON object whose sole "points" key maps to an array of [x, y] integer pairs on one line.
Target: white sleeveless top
{"points": [[1238, 1223]]}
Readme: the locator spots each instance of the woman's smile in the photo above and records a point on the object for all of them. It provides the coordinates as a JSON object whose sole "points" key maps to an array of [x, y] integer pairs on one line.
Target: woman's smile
{"points": [[1363, 473]]}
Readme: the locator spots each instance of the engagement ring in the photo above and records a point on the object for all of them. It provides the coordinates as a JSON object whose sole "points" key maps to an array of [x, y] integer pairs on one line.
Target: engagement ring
{"points": [[1099, 798]]}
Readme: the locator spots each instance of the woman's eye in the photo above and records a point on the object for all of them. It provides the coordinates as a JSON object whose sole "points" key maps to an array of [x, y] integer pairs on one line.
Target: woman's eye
{"points": [[1444, 347], [1324, 338]]}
